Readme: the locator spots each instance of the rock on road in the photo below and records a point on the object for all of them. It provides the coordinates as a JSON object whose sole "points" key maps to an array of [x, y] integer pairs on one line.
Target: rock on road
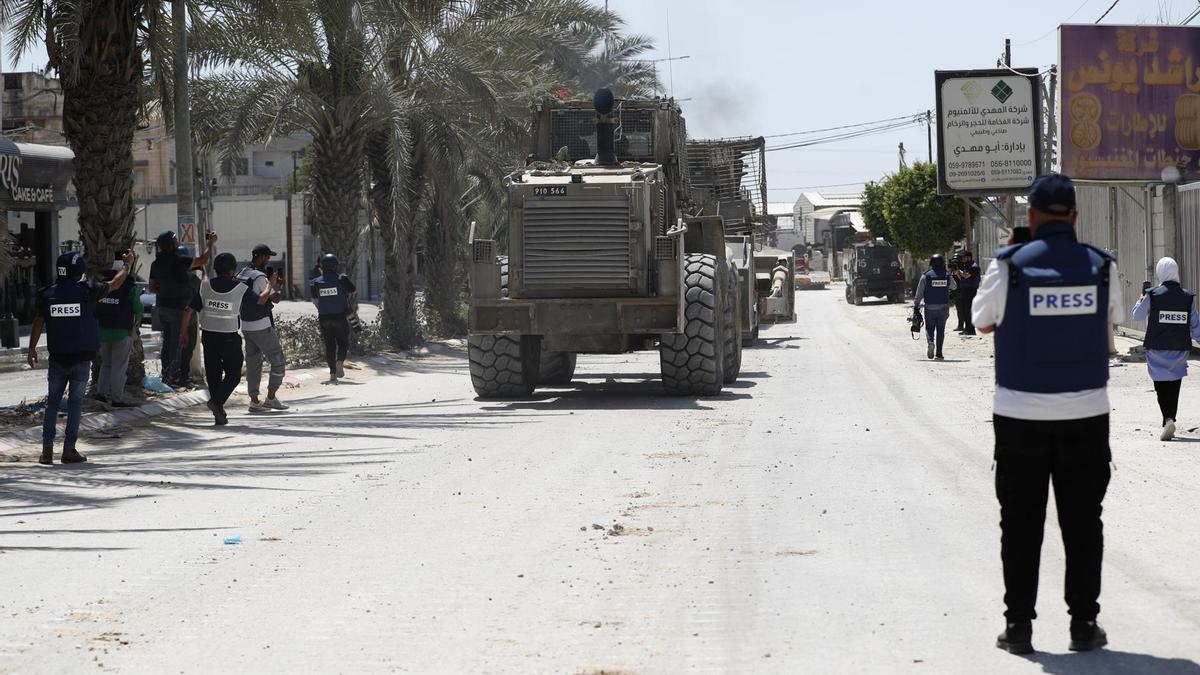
{"points": [[831, 512]]}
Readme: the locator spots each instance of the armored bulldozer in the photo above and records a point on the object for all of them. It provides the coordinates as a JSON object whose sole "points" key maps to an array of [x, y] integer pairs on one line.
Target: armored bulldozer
{"points": [[606, 254]]}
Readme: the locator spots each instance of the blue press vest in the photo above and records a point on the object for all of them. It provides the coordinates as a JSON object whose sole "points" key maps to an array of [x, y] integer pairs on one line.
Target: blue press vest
{"points": [[115, 310], [71, 327], [252, 311], [937, 287], [332, 299], [1054, 336], [1168, 326]]}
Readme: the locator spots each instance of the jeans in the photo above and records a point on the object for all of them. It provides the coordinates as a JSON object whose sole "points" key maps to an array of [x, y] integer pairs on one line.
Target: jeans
{"points": [[171, 322], [1168, 398], [1072, 455], [61, 375], [114, 362], [935, 324], [222, 364], [966, 296], [335, 330], [185, 352], [263, 345]]}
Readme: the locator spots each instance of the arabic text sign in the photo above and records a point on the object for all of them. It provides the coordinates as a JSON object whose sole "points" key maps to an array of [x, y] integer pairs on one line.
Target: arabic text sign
{"points": [[1130, 101], [989, 137]]}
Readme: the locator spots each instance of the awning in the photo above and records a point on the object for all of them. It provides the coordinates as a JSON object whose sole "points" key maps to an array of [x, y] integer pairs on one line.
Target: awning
{"points": [[34, 177]]}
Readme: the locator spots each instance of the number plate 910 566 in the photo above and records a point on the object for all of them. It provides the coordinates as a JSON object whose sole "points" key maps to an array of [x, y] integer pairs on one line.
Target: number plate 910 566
{"points": [[550, 190]]}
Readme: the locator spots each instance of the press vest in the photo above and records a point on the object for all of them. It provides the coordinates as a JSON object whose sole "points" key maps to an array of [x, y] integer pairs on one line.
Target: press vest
{"points": [[252, 311], [115, 310], [937, 287], [1169, 325], [71, 326], [221, 310], [332, 298], [1054, 336]]}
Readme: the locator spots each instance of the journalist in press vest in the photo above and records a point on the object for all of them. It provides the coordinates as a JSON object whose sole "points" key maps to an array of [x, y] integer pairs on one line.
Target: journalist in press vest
{"points": [[1169, 311]]}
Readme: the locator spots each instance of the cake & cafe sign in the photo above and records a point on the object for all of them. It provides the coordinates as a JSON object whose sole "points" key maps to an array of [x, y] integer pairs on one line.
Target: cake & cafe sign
{"points": [[33, 176]]}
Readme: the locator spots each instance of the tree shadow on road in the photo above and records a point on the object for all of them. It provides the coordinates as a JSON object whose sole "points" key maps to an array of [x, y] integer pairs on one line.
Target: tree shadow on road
{"points": [[1106, 661]]}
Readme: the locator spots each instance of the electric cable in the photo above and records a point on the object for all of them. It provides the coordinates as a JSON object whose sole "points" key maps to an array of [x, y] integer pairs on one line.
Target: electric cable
{"points": [[1110, 8], [844, 126]]}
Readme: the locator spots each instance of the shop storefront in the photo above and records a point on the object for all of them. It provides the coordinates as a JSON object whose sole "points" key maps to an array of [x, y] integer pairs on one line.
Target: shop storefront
{"points": [[33, 189]]}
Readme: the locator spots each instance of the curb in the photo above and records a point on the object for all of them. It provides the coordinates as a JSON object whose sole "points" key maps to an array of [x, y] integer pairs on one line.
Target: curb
{"points": [[98, 421]]}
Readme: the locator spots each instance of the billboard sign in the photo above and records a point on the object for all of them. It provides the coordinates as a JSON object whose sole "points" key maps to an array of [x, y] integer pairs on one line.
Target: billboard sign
{"points": [[1130, 101], [989, 130]]}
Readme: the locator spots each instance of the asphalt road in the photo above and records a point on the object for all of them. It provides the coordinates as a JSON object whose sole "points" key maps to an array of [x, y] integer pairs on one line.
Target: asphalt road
{"points": [[832, 512]]}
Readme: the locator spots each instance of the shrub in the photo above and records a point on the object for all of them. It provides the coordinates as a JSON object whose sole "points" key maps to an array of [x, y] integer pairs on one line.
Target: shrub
{"points": [[303, 346]]}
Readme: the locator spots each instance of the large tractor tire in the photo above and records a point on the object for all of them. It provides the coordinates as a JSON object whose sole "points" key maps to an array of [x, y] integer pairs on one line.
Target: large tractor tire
{"points": [[504, 366], [556, 368], [693, 361], [503, 260], [733, 328]]}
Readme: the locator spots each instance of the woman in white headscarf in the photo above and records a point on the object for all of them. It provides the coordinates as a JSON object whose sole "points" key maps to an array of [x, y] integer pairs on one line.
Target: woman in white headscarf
{"points": [[1172, 324]]}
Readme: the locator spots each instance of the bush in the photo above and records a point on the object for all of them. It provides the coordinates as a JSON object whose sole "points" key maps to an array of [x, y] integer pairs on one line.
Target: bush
{"points": [[303, 346]]}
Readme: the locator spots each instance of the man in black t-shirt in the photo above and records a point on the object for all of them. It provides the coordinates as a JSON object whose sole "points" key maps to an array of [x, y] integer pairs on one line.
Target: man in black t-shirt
{"points": [[169, 280]]}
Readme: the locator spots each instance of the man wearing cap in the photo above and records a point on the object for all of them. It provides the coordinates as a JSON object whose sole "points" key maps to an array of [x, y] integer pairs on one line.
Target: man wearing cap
{"points": [[258, 328], [1049, 302], [67, 312], [169, 281]]}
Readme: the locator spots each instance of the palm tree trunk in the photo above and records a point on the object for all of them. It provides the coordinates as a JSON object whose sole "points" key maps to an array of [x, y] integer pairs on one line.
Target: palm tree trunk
{"points": [[399, 292], [336, 192], [442, 290]]}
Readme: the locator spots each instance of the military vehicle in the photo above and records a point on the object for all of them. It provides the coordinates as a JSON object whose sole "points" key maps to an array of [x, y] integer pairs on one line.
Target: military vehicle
{"points": [[607, 253], [772, 308], [873, 270]]}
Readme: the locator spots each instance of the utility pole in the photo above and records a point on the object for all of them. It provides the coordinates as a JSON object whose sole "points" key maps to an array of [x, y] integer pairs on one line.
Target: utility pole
{"points": [[929, 133], [185, 175], [902, 163], [1009, 203]]}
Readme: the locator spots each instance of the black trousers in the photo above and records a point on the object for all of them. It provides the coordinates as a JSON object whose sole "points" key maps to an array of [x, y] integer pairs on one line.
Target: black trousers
{"points": [[335, 331], [223, 360], [184, 373], [1073, 455], [963, 301], [1168, 398]]}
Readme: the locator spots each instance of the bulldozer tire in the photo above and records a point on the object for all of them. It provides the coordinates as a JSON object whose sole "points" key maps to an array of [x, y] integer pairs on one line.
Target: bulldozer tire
{"points": [[556, 368], [693, 361], [733, 329], [503, 260], [503, 366]]}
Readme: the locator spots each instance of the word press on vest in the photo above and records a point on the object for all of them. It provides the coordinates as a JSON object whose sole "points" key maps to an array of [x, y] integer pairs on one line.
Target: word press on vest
{"points": [[939, 283], [1173, 317], [71, 309], [1063, 300], [218, 305], [327, 292]]}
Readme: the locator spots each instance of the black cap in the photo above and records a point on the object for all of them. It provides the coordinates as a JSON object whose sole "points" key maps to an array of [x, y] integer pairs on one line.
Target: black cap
{"points": [[262, 249], [1053, 193]]}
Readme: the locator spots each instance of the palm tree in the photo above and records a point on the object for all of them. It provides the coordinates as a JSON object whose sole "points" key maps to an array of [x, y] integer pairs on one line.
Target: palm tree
{"points": [[613, 61], [459, 74]]}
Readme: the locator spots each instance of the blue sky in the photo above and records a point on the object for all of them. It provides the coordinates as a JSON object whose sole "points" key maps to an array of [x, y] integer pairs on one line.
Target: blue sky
{"points": [[762, 67]]}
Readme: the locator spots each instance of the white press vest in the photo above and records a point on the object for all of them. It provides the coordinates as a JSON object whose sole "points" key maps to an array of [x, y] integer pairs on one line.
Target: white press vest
{"points": [[221, 312]]}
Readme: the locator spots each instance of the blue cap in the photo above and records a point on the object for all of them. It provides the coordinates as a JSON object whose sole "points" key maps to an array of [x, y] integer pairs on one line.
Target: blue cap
{"points": [[1053, 193]]}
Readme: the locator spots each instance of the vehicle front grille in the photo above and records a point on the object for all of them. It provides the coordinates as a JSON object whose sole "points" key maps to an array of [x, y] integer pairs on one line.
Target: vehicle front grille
{"points": [[577, 244]]}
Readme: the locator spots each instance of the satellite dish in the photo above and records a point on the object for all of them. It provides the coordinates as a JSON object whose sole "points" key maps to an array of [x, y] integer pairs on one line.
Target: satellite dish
{"points": [[1172, 176]]}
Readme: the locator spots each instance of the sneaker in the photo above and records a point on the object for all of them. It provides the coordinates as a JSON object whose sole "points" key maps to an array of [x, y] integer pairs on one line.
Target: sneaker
{"points": [[939, 357], [275, 404], [1017, 638], [929, 351], [969, 332], [219, 416], [1168, 431], [72, 456], [1086, 636], [341, 369], [258, 408]]}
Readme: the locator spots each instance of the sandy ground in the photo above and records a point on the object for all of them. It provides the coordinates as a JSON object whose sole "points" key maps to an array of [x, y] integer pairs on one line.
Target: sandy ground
{"points": [[832, 512]]}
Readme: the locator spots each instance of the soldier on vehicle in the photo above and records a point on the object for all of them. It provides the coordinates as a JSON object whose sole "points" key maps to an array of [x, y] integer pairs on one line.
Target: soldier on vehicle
{"points": [[220, 301], [1172, 324], [169, 281], [1051, 407], [67, 312], [934, 290], [258, 327], [333, 294]]}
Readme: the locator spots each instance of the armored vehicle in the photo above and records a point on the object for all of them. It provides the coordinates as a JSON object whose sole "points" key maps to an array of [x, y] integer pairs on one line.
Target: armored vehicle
{"points": [[605, 254], [873, 270]]}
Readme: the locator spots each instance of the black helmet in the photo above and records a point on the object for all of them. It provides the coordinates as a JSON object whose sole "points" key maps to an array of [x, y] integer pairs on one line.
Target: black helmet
{"points": [[225, 264], [329, 263], [71, 266], [165, 240], [937, 261]]}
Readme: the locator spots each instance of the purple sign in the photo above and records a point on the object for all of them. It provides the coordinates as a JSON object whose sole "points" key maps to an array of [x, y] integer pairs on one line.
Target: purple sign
{"points": [[1130, 101]]}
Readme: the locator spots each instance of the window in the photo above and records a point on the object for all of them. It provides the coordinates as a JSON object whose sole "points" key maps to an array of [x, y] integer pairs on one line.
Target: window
{"points": [[139, 177], [12, 81], [269, 162]]}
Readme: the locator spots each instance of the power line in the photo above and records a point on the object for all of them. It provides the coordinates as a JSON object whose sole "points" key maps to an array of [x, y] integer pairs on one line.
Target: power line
{"points": [[1110, 8], [1050, 32], [844, 126], [817, 187], [850, 135], [1191, 16]]}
